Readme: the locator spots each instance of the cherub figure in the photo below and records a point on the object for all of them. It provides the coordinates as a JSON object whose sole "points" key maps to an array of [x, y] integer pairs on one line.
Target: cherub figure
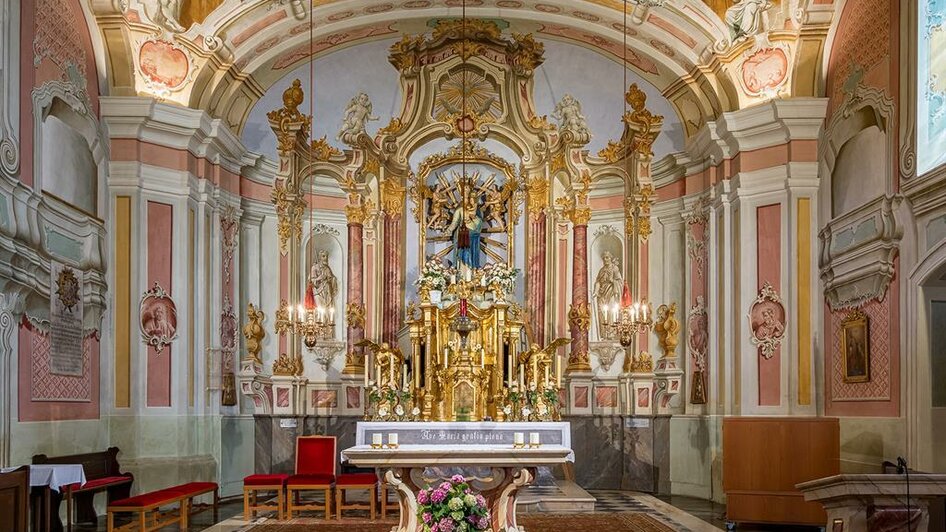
{"points": [[356, 118], [493, 207], [439, 208], [568, 114]]}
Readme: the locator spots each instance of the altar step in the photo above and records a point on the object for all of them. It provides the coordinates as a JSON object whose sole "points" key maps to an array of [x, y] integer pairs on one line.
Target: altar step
{"points": [[557, 496]]}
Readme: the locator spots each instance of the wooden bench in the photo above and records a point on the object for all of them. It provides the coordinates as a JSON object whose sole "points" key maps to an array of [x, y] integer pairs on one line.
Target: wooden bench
{"points": [[148, 507], [101, 473]]}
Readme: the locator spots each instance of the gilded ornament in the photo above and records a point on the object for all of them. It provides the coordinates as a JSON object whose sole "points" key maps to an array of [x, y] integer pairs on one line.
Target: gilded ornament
{"points": [[289, 211], [612, 152], [466, 29], [355, 315], [578, 214], [542, 123], [356, 214], [667, 328], [558, 162], [579, 316], [640, 363], [67, 288], [392, 197], [323, 151], [527, 53], [289, 123], [393, 127], [254, 333], [537, 190], [282, 324], [285, 366]]}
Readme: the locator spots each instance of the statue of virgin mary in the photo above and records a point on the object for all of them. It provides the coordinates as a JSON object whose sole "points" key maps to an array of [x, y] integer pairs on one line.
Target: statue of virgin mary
{"points": [[465, 230]]}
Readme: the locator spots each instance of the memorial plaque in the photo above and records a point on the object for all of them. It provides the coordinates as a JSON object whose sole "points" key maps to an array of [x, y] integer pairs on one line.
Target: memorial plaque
{"points": [[65, 321]]}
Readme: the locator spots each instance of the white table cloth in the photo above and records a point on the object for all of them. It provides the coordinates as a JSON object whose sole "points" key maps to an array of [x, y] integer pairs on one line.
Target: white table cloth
{"points": [[53, 475]]}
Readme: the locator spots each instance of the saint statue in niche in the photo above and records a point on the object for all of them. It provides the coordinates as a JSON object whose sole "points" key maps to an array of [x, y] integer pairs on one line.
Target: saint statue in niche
{"points": [[323, 281], [607, 288], [465, 230]]}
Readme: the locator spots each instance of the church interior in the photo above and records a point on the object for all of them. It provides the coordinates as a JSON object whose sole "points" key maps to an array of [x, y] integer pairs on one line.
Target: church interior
{"points": [[466, 265]]}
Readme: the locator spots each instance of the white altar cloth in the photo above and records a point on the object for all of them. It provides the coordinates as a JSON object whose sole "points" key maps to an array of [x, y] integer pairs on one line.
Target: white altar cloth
{"points": [[456, 434], [53, 475], [472, 455]]}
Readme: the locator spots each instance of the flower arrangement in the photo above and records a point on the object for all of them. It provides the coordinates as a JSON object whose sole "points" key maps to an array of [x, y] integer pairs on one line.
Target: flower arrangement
{"points": [[500, 275], [433, 276], [452, 507], [387, 404], [531, 404]]}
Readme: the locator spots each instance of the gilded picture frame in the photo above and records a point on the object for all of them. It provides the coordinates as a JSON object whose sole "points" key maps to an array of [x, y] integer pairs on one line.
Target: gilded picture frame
{"points": [[855, 347]]}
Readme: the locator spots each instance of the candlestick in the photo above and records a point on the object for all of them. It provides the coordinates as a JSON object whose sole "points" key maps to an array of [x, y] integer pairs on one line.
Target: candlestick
{"points": [[558, 370]]}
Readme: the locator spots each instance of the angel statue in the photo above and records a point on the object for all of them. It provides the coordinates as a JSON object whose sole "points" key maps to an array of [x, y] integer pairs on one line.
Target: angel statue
{"points": [[538, 362], [387, 362], [253, 332], [568, 114], [744, 18], [356, 118]]}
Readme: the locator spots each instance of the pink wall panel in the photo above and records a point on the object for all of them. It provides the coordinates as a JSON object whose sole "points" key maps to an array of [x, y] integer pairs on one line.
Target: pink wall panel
{"points": [[43, 396], [880, 396], [160, 247], [769, 266]]}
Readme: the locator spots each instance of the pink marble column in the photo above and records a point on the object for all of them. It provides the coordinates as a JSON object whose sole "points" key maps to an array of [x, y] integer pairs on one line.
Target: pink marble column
{"points": [[536, 279], [391, 287], [579, 317], [355, 308]]}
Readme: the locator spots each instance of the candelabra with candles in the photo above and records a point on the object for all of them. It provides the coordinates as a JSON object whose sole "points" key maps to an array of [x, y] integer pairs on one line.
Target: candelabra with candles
{"points": [[625, 321], [311, 322]]}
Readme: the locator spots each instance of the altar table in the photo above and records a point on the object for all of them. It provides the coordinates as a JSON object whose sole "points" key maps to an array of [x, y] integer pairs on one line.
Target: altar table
{"points": [[45, 478], [499, 472]]}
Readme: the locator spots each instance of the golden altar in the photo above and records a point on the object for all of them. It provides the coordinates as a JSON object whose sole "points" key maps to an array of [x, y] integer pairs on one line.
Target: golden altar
{"points": [[464, 349]]}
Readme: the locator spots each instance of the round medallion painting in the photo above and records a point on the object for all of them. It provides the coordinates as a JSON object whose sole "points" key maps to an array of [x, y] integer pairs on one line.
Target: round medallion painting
{"points": [[163, 63]]}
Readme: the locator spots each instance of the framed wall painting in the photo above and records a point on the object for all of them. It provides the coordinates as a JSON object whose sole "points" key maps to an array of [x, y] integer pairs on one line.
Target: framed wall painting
{"points": [[855, 347]]}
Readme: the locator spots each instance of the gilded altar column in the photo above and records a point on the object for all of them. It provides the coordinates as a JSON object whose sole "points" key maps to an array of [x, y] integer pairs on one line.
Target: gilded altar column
{"points": [[392, 207], [355, 298], [579, 315], [538, 190]]}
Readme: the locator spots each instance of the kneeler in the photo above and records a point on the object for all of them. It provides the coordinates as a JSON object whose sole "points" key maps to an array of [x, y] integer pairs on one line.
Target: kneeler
{"points": [[254, 484], [315, 471]]}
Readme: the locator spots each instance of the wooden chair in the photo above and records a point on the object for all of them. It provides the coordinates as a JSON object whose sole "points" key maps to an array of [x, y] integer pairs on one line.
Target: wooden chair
{"points": [[257, 483], [315, 471], [14, 500], [356, 481], [387, 505]]}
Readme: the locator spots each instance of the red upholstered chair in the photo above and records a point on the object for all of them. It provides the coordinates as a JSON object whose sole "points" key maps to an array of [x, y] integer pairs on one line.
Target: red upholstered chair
{"points": [[315, 471], [355, 481], [257, 483]]}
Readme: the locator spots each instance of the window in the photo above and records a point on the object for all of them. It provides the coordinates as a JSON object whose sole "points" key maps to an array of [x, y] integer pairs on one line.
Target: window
{"points": [[931, 85]]}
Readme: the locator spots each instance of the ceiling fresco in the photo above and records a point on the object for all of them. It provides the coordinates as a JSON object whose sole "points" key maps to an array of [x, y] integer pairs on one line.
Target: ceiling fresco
{"points": [[700, 57]]}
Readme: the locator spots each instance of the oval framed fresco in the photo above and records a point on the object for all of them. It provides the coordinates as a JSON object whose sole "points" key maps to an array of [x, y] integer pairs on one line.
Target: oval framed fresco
{"points": [[162, 63], [765, 71]]}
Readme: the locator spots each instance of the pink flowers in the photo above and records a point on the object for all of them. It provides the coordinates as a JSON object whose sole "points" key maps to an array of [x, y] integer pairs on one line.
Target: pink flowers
{"points": [[452, 506]]}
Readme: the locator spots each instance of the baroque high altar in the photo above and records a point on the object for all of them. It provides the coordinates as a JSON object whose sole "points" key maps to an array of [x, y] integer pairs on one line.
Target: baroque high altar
{"points": [[475, 301]]}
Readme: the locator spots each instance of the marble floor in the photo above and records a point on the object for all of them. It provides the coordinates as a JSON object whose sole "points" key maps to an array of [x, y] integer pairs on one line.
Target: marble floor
{"points": [[681, 513]]}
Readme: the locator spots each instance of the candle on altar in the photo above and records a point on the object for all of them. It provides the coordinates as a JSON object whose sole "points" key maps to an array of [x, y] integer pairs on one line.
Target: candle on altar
{"points": [[509, 370], [533, 438], [391, 382], [376, 439], [366, 372], [558, 370], [331, 315], [482, 357], [547, 375], [518, 438], [446, 358], [392, 439], [404, 377]]}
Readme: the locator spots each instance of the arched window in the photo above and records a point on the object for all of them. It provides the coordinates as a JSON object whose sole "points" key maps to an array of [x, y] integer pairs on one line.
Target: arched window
{"points": [[931, 85]]}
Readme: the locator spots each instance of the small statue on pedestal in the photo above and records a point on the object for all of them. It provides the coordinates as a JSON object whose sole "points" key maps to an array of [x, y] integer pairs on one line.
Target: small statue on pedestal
{"points": [[388, 364], [254, 333], [667, 328]]}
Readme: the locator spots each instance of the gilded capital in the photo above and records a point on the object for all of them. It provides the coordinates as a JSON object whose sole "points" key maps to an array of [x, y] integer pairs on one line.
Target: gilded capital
{"points": [[392, 197], [537, 191]]}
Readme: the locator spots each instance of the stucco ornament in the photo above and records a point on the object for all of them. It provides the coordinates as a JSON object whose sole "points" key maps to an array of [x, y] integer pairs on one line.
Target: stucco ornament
{"points": [[356, 118], [569, 116], [767, 321], [158, 318], [745, 18]]}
